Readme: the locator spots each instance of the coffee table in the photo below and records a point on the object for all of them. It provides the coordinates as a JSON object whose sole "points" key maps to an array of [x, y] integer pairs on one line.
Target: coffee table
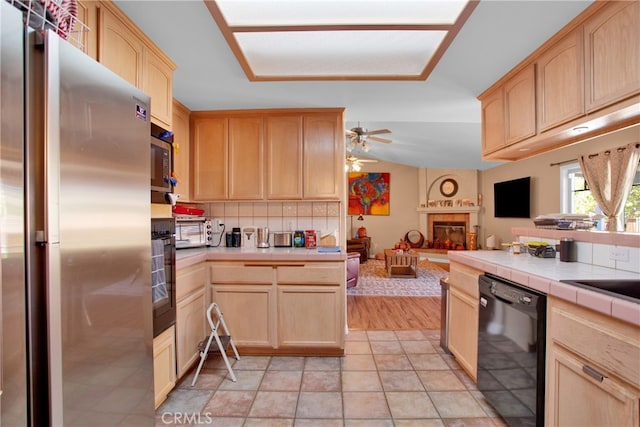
{"points": [[401, 264]]}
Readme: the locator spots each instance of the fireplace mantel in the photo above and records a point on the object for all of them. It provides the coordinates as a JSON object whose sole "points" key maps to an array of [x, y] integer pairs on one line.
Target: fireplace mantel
{"points": [[450, 209]]}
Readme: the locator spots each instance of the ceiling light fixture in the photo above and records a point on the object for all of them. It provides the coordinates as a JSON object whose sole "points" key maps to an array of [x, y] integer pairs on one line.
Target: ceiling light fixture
{"points": [[335, 40]]}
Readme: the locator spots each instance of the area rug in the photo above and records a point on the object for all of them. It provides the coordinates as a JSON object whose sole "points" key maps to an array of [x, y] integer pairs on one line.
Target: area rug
{"points": [[373, 280]]}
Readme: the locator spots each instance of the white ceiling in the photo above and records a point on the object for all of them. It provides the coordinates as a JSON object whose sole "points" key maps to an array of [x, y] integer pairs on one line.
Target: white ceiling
{"points": [[434, 123]]}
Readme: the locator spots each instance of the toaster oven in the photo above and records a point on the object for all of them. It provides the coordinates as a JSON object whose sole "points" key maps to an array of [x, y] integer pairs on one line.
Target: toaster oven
{"points": [[193, 232], [282, 239]]}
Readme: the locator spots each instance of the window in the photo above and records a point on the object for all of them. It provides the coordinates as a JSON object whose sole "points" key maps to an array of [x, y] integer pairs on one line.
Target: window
{"points": [[577, 198]]}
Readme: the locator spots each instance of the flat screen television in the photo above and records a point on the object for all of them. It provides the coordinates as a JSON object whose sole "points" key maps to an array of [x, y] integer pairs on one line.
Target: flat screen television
{"points": [[512, 199]]}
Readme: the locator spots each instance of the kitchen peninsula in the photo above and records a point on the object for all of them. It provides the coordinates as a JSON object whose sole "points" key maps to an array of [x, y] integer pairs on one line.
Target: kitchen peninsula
{"points": [[592, 338], [276, 301]]}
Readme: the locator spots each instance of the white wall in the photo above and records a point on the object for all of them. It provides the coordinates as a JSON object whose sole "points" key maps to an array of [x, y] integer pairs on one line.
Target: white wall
{"points": [[385, 231], [545, 182]]}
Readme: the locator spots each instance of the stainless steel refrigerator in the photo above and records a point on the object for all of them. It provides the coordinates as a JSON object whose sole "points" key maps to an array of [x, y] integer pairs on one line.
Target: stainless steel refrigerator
{"points": [[76, 315]]}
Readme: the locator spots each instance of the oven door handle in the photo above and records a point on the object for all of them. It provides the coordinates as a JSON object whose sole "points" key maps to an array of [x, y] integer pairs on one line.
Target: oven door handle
{"points": [[165, 240]]}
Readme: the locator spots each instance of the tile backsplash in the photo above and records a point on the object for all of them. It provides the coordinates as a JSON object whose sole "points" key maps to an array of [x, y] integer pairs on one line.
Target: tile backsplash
{"points": [[278, 216], [596, 248]]}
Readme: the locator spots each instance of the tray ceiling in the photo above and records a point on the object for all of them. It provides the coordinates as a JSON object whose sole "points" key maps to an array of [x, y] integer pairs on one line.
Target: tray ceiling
{"points": [[339, 40]]}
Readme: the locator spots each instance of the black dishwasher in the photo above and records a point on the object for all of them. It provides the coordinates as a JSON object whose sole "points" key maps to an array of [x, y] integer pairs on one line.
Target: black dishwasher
{"points": [[511, 350]]}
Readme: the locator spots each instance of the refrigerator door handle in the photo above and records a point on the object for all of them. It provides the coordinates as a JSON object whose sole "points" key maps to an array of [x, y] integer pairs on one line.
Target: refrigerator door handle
{"points": [[52, 141], [54, 332]]}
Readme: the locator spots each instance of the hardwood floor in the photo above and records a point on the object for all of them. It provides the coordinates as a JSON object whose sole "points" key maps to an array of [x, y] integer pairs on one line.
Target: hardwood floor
{"points": [[392, 313]]}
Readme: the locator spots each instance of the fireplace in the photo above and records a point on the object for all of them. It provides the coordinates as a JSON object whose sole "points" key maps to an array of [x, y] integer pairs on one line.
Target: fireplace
{"points": [[448, 230], [449, 235]]}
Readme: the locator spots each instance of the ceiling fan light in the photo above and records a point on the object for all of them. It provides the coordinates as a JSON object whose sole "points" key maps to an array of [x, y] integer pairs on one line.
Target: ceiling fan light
{"points": [[365, 147]]}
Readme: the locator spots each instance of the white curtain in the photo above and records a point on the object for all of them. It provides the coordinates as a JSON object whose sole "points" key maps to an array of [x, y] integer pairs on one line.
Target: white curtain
{"points": [[609, 175]]}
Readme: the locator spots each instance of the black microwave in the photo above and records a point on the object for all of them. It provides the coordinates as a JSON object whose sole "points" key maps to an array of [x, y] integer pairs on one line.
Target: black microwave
{"points": [[161, 164]]}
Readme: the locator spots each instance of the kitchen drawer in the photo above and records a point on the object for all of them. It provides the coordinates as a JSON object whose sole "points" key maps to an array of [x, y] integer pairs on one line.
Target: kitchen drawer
{"points": [[465, 279], [332, 273], [190, 279], [240, 273], [611, 344]]}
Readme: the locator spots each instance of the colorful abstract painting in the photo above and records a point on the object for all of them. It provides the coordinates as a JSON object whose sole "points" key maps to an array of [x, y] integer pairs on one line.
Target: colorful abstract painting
{"points": [[368, 193]]}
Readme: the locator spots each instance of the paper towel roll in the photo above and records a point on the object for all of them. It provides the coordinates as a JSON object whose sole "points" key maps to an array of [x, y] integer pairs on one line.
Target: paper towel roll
{"points": [[491, 242]]}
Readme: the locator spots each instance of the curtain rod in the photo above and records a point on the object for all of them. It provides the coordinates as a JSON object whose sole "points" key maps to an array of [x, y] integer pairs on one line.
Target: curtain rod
{"points": [[575, 160], [563, 162]]}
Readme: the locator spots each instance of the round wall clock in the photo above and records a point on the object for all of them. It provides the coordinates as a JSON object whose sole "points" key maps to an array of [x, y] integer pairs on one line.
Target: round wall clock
{"points": [[449, 187]]}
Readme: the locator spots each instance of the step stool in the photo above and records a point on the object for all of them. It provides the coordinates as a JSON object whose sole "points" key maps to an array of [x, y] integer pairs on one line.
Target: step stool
{"points": [[222, 341]]}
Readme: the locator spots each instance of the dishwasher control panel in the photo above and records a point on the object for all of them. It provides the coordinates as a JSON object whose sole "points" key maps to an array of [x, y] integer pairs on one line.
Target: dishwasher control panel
{"points": [[506, 291]]}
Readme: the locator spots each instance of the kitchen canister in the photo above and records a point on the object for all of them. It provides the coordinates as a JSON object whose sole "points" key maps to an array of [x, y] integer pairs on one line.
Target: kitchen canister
{"points": [[516, 248], [298, 239], [236, 237], [568, 250], [310, 239]]}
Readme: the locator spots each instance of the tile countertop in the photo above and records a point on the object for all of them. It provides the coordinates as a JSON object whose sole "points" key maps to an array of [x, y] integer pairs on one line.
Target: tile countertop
{"points": [[187, 257], [544, 275]]}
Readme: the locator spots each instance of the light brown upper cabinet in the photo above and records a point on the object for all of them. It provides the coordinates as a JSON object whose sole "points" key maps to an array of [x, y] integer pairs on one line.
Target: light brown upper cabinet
{"points": [[520, 106], [284, 156], [125, 50], [581, 83], [612, 40], [560, 82], [228, 157], [323, 165], [209, 136], [119, 49], [85, 38], [246, 158], [509, 111], [157, 82], [182, 150], [493, 125]]}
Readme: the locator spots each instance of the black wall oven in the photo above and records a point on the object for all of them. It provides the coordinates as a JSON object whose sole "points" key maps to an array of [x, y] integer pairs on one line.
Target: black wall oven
{"points": [[163, 273], [511, 350]]}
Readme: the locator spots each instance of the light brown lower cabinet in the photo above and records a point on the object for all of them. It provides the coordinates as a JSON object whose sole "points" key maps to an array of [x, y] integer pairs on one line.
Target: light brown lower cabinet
{"points": [[190, 329], [299, 306], [577, 397], [164, 365], [247, 311], [593, 368], [463, 330], [463, 316], [191, 323], [295, 308]]}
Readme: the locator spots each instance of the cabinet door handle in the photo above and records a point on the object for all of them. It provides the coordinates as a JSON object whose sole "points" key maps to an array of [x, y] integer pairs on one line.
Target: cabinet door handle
{"points": [[593, 373]]}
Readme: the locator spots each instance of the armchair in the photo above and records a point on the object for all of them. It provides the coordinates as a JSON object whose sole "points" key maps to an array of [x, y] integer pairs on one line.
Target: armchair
{"points": [[361, 246], [353, 269]]}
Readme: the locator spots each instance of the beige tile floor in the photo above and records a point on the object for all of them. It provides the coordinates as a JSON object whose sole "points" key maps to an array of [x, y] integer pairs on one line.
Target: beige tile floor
{"points": [[386, 378]]}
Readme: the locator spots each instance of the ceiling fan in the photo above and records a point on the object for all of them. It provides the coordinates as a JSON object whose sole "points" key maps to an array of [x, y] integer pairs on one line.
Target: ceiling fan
{"points": [[359, 136], [354, 164]]}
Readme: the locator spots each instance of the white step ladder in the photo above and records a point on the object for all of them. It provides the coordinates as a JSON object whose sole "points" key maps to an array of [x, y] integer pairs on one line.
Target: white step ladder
{"points": [[222, 341]]}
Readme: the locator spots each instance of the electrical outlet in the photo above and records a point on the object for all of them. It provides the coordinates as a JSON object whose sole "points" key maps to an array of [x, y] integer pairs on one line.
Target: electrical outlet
{"points": [[217, 225], [619, 253]]}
